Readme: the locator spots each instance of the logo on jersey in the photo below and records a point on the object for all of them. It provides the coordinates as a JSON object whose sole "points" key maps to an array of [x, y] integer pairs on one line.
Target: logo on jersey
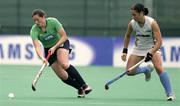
{"points": [[48, 37]]}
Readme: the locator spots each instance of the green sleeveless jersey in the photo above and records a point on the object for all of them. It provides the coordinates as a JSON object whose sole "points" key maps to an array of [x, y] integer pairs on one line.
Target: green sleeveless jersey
{"points": [[50, 37]]}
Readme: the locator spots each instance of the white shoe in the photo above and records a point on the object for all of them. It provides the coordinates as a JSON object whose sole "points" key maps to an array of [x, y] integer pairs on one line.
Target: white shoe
{"points": [[87, 89], [148, 73], [171, 97]]}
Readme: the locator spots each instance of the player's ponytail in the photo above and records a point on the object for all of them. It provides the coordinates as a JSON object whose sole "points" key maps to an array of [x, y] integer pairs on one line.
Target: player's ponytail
{"points": [[140, 8], [145, 10]]}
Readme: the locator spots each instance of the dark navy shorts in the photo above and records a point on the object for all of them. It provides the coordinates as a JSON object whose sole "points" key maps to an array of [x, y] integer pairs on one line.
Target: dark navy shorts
{"points": [[53, 57]]}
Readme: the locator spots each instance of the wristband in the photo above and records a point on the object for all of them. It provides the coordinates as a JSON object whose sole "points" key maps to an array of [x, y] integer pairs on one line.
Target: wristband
{"points": [[125, 50]]}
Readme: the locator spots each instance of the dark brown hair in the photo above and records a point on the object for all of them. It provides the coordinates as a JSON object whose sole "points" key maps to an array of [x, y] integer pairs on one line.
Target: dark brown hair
{"points": [[140, 7], [39, 12]]}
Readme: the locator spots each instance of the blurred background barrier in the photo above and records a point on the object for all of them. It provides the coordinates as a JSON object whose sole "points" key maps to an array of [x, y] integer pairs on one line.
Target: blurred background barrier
{"points": [[88, 17], [96, 29], [102, 51]]}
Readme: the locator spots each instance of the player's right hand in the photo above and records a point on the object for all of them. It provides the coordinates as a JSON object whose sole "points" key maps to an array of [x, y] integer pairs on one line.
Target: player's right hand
{"points": [[123, 56]]}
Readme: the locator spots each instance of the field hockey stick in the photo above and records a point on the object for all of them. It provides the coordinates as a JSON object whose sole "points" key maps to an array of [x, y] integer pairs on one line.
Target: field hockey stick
{"points": [[121, 75], [39, 73]]}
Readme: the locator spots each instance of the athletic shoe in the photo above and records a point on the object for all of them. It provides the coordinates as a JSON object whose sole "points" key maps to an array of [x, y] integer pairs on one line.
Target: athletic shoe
{"points": [[171, 97], [148, 73], [87, 89], [81, 93]]}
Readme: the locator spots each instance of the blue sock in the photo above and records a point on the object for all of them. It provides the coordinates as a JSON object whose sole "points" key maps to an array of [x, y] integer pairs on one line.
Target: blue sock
{"points": [[140, 70], [164, 78]]}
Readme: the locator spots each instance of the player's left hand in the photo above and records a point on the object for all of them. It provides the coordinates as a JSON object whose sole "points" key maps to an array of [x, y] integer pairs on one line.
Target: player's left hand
{"points": [[148, 57], [44, 60], [52, 50]]}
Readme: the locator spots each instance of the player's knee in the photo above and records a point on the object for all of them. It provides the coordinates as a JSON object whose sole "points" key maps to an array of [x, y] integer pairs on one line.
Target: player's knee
{"points": [[130, 74], [159, 70], [64, 65]]}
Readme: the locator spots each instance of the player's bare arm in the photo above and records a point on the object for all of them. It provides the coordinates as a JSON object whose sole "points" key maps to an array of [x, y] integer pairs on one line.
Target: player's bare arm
{"points": [[126, 41], [157, 35], [37, 47], [127, 35]]}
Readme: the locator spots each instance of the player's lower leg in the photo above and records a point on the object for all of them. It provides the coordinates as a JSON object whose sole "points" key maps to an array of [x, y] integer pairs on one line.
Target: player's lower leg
{"points": [[75, 75], [164, 78]]}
